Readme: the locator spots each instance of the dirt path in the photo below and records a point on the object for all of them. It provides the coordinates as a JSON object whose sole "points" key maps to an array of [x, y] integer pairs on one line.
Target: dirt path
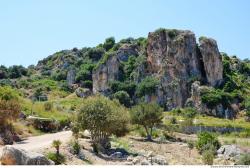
{"points": [[38, 143]]}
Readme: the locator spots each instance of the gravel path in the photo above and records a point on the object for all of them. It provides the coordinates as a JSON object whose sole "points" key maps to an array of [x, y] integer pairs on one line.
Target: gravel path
{"points": [[38, 143]]}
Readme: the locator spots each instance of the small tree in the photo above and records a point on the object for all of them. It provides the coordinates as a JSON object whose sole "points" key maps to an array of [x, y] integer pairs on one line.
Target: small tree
{"points": [[56, 144], [147, 115], [103, 118]]}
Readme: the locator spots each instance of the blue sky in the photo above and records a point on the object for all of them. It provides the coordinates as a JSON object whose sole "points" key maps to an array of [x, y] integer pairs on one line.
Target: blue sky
{"points": [[30, 30]]}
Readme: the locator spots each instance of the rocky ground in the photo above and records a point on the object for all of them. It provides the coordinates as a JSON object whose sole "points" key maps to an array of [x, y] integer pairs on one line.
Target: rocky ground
{"points": [[129, 150]]}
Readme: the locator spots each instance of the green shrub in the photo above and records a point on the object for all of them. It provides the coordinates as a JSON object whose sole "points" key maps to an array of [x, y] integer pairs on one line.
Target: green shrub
{"points": [[109, 43], [76, 147], [58, 159], [147, 115], [208, 157], [48, 106], [206, 140], [123, 98], [7, 93], [147, 86], [173, 120], [103, 118], [244, 159]]}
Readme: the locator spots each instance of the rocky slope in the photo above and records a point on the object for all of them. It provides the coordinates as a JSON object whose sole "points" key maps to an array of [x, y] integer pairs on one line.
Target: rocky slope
{"points": [[169, 67]]}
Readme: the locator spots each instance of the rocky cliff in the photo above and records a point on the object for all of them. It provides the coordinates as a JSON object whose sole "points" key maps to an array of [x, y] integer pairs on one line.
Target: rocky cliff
{"points": [[173, 57]]}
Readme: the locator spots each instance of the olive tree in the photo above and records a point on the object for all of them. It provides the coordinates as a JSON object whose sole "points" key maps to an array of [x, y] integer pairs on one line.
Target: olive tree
{"points": [[147, 115], [103, 118]]}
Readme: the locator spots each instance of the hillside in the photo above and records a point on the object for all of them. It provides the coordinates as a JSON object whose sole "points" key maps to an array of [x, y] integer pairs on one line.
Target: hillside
{"points": [[168, 67]]}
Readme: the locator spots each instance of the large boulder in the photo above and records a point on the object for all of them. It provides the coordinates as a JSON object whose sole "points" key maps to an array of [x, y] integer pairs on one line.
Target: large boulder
{"points": [[172, 57], [83, 92], [229, 152], [15, 156], [212, 60]]}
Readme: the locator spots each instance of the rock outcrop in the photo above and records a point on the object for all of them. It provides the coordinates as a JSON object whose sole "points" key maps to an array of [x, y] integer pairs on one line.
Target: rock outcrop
{"points": [[105, 73], [14, 156], [172, 56], [212, 60], [127, 50], [83, 92]]}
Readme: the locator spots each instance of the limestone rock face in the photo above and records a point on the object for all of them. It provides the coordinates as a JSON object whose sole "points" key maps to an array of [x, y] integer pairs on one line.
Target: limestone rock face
{"points": [[212, 60], [127, 50], [71, 77], [172, 57], [106, 72], [14, 156]]}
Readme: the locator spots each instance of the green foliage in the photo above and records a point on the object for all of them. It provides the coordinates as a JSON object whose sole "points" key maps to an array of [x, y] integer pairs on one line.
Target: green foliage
{"points": [[187, 113], [9, 111], [85, 72], [244, 159], [147, 86], [58, 159], [208, 157], [207, 140], [127, 86], [147, 115], [56, 144], [7, 93], [172, 33], [3, 72], [17, 71], [123, 98], [103, 118], [109, 43], [129, 67], [213, 97], [48, 106], [59, 75], [247, 106], [76, 147]]}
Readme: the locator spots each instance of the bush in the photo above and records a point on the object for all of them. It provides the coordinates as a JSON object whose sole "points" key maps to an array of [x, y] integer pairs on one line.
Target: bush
{"points": [[147, 86], [58, 159], [244, 159], [207, 140], [103, 118], [48, 106], [109, 43], [147, 115], [9, 111], [123, 98], [76, 147], [7, 93], [208, 157]]}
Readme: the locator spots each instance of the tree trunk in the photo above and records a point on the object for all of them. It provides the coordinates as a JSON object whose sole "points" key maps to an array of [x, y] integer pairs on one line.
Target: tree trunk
{"points": [[149, 138]]}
